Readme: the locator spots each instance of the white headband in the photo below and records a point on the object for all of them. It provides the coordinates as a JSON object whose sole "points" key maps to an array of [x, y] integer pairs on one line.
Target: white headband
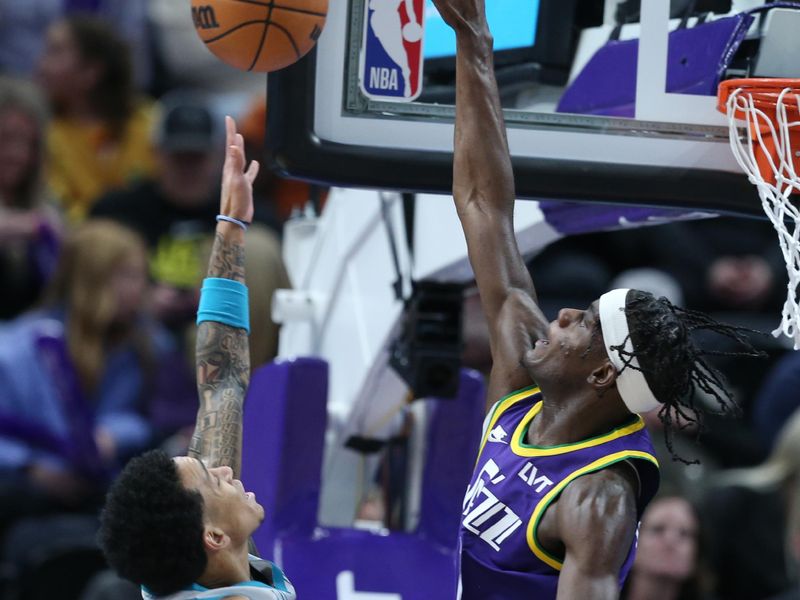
{"points": [[631, 383]]}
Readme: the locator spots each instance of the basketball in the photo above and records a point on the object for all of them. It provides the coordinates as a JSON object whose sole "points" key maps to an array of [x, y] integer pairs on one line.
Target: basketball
{"points": [[259, 35]]}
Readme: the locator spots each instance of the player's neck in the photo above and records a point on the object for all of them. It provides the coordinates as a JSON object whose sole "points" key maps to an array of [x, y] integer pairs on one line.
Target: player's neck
{"points": [[653, 588], [574, 420], [226, 568]]}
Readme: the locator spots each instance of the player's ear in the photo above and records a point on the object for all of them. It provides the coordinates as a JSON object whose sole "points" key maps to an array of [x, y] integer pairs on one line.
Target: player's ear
{"points": [[214, 539], [603, 377]]}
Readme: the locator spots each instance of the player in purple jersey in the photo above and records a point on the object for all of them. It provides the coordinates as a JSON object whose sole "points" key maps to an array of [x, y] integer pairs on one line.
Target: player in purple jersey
{"points": [[566, 468]]}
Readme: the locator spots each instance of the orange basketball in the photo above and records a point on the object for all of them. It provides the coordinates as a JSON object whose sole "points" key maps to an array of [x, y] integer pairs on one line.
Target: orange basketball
{"points": [[259, 35]]}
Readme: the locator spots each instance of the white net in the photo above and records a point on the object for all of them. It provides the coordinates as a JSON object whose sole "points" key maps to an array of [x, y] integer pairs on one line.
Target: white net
{"points": [[766, 130]]}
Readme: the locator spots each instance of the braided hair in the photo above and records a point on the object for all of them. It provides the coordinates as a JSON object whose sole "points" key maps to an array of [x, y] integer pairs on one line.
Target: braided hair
{"points": [[674, 366]]}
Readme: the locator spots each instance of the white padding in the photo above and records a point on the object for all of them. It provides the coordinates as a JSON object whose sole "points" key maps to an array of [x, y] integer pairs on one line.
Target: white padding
{"points": [[632, 386]]}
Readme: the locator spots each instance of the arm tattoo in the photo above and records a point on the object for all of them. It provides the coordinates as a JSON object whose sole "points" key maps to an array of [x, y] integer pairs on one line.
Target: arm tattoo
{"points": [[227, 259], [223, 373]]}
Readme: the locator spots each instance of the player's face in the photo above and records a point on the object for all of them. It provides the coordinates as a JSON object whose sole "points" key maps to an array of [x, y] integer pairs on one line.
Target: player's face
{"points": [[668, 540], [572, 350], [226, 504]]}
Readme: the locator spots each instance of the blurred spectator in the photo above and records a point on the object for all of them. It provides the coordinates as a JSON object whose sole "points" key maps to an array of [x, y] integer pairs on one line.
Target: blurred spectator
{"points": [[176, 214], [79, 367], [24, 23], [77, 377], [749, 511], [28, 225], [722, 265], [100, 135], [668, 559], [793, 543], [777, 399], [719, 265], [107, 585]]}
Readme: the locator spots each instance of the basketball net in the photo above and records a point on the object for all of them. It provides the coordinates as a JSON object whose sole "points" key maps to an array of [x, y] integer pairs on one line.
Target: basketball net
{"points": [[770, 155]]}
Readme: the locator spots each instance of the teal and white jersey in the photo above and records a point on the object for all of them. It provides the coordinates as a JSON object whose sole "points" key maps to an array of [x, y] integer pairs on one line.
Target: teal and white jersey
{"points": [[281, 588]]}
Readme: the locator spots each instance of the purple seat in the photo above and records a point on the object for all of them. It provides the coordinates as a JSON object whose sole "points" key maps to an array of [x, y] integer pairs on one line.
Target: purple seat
{"points": [[454, 428], [285, 419], [696, 61], [397, 563]]}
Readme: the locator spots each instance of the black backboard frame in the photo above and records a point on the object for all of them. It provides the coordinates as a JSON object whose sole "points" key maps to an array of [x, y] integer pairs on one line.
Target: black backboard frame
{"points": [[293, 149]]}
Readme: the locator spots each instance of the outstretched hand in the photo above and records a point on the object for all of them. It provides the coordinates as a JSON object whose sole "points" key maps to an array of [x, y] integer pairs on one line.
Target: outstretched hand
{"points": [[236, 199], [460, 14]]}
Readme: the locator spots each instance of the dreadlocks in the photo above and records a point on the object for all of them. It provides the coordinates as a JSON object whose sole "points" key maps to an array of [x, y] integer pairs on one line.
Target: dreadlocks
{"points": [[675, 367]]}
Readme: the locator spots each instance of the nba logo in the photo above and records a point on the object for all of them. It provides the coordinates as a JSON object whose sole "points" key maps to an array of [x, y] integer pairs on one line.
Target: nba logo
{"points": [[391, 54]]}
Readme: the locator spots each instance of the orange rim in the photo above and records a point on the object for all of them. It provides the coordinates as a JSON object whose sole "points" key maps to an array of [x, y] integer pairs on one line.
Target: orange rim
{"points": [[764, 91]]}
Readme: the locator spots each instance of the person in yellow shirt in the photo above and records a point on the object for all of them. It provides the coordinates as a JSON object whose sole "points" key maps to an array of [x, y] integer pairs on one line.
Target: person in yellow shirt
{"points": [[100, 136]]}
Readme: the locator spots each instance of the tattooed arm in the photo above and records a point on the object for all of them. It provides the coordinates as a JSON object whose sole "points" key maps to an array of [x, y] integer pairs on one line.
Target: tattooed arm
{"points": [[222, 353], [223, 368]]}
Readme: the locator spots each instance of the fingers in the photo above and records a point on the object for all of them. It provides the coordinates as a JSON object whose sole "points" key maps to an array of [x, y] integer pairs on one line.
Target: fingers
{"points": [[236, 158], [252, 171], [235, 142], [230, 130], [232, 137]]}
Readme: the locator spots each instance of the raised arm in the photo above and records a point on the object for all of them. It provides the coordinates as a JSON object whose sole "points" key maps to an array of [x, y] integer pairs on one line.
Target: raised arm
{"points": [[483, 187], [222, 352]]}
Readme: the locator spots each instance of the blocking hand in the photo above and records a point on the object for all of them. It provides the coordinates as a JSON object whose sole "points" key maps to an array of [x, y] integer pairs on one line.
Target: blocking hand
{"points": [[461, 14], [236, 199]]}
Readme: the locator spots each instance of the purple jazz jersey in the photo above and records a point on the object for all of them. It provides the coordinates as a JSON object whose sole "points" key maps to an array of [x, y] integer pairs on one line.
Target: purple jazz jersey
{"points": [[511, 488]]}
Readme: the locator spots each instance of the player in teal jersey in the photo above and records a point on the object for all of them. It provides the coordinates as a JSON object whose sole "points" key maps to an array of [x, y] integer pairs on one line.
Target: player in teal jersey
{"points": [[565, 470], [181, 528]]}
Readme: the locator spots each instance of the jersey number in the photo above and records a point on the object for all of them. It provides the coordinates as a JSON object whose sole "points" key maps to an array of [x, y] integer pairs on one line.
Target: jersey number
{"points": [[481, 507]]}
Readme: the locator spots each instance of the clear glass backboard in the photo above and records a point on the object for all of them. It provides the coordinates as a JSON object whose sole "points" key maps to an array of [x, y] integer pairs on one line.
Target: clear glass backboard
{"points": [[609, 101]]}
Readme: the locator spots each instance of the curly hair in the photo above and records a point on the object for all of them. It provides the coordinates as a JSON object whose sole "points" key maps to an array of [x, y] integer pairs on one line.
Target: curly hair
{"points": [[151, 528], [674, 365]]}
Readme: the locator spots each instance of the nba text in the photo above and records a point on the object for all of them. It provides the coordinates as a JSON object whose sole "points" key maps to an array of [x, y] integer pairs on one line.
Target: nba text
{"points": [[382, 78]]}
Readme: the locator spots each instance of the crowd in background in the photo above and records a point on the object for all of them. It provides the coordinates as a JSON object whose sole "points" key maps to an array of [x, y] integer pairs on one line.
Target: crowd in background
{"points": [[109, 174], [111, 147]]}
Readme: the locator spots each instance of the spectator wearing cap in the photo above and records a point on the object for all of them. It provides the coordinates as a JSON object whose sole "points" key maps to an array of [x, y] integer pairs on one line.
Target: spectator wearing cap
{"points": [[175, 211], [99, 138]]}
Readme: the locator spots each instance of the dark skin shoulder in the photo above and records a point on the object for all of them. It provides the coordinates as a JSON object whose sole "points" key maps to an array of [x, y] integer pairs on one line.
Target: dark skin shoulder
{"points": [[592, 527], [518, 325]]}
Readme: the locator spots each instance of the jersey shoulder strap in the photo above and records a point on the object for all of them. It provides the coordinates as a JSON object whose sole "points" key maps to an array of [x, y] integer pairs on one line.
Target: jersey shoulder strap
{"points": [[501, 406]]}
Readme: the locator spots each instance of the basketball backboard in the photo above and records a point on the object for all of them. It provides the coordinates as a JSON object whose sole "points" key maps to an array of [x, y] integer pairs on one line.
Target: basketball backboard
{"points": [[626, 121]]}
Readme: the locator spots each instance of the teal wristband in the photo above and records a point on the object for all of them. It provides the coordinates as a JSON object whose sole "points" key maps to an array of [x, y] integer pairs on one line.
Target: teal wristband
{"points": [[224, 301]]}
